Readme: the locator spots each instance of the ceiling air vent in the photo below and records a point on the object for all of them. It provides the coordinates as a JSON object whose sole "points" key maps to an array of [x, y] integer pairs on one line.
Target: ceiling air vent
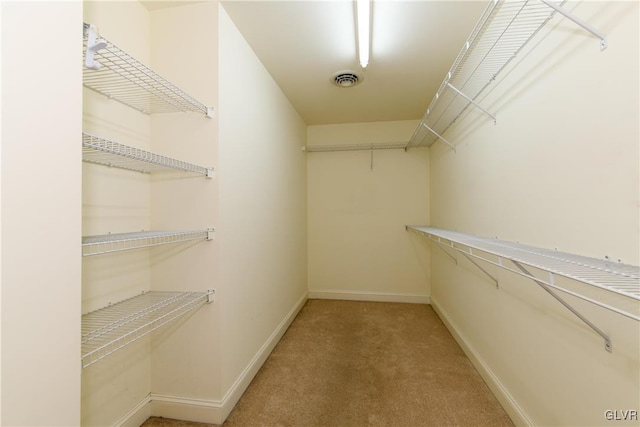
{"points": [[346, 79]]}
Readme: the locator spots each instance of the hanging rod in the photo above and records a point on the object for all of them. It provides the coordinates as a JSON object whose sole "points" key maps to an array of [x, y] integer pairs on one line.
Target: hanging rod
{"points": [[109, 153], [117, 242], [355, 147], [111, 328], [112, 72], [620, 279]]}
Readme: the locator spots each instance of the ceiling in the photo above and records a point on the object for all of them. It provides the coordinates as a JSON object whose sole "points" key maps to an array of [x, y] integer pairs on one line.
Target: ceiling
{"points": [[304, 43]]}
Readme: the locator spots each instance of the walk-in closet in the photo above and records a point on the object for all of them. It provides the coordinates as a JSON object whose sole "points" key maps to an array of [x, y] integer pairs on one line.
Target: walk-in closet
{"points": [[199, 198]]}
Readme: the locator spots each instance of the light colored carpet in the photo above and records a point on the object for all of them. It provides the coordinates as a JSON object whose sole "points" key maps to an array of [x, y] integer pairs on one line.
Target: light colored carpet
{"points": [[348, 363]]}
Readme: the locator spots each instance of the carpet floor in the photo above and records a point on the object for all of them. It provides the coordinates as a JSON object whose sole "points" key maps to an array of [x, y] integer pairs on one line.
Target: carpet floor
{"points": [[351, 364]]}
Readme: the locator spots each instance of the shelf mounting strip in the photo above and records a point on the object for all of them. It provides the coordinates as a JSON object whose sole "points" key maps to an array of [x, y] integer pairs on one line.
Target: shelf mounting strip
{"points": [[114, 73], [501, 33], [616, 278], [111, 328]]}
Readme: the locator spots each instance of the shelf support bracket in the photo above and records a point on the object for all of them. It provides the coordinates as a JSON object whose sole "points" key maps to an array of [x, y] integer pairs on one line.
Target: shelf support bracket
{"points": [[452, 87], [580, 22], [440, 245], [607, 340], [210, 294], [479, 266], [439, 136], [211, 233], [93, 45]]}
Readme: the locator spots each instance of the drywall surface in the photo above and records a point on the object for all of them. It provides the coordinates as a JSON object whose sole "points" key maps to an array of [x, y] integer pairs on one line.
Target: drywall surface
{"points": [[359, 204], [559, 170], [116, 201], [186, 357], [41, 190], [263, 213]]}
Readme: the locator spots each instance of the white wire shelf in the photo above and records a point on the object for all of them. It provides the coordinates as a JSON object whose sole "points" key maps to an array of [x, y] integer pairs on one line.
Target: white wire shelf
{"points": [[109, 243], [616, 278], [503, 30], [112, 72], [111, 328], [622, 279], [109, 153]]}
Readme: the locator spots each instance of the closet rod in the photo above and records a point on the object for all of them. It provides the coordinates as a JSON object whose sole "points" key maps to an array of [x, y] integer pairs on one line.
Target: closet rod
{"points": [[355, 147]]}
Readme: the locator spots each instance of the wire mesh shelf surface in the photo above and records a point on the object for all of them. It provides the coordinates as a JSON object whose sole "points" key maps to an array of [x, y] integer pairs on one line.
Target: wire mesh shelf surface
{"points": [[111, 328], [108, 243], [112, 72], [109, 153], [503, 30], [622, 279]]}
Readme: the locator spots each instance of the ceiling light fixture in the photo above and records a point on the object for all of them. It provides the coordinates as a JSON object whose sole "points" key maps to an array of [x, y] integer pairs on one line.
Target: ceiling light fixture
{"points": [[363, 12]]}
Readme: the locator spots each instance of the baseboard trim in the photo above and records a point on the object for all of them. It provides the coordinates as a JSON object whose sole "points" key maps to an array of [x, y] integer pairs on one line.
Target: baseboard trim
{"points": [[210, 411], [510, 405], [136, 416], [244, 379], [186, 409], [369, 296]]}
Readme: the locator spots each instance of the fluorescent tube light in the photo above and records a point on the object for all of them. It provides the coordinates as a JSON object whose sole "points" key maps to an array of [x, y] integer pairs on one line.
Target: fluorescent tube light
{"points": [[363, 9]]}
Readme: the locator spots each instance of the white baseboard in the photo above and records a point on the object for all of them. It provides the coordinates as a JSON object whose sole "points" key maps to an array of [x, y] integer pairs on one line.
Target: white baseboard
{"points": [[369, 296], [510, 405], [211, 411], [244, 379], [136, 416], [186, 409]]}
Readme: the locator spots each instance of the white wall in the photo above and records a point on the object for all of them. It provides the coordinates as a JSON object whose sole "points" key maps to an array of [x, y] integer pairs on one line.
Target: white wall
{"points": [[262, 229], [186, 358], [41, 185], [358, 246], [560, 170]]}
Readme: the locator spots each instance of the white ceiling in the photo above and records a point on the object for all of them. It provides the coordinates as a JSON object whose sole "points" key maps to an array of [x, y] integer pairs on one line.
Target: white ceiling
{"points": [[304, 43]]}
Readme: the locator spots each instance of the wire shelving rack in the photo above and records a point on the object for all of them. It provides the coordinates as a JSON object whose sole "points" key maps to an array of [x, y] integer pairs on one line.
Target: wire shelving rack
{"points": [[503, 30], [109, 243], [611, 277], [111, 328], [113, 154], [114, 73]]}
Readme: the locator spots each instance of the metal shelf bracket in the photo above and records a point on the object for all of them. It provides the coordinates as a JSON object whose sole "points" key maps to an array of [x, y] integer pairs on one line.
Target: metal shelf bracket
{"points": [[527, 273], [580, 22], [475, 104], [210, 294], [93, 45], [489, 275], [439, 136], [211, 233]]}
